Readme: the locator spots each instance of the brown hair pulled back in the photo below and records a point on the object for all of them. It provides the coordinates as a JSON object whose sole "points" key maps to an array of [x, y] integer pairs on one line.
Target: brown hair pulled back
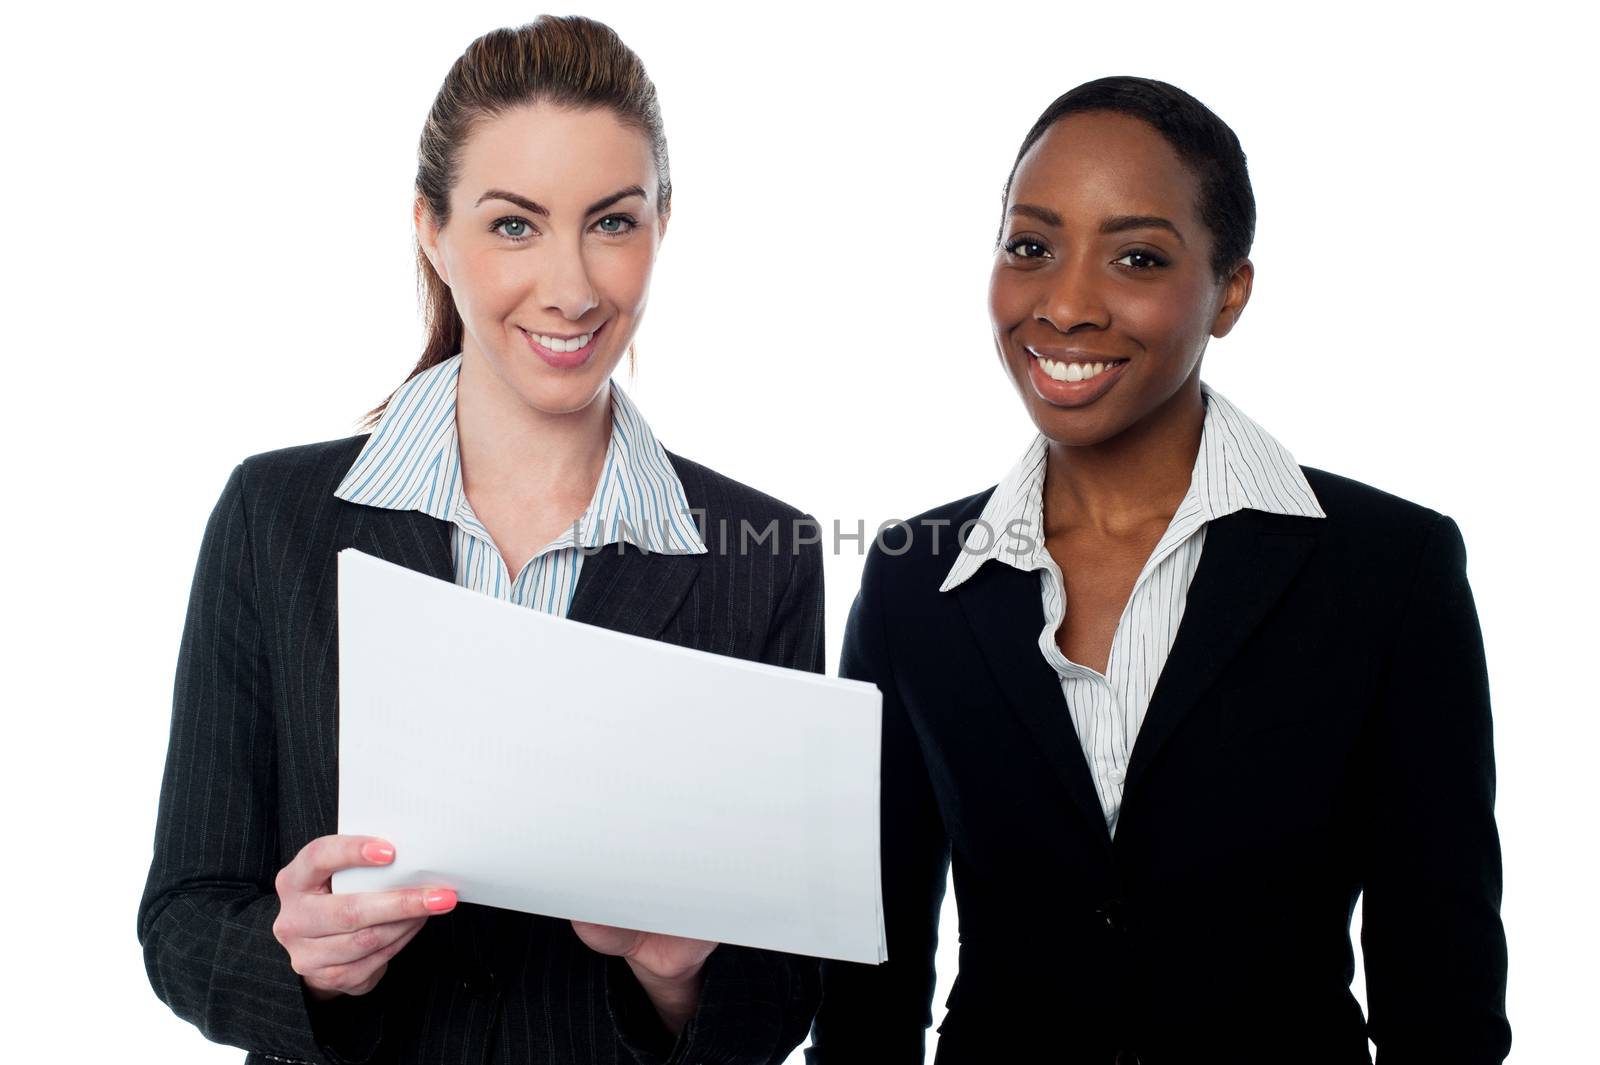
{"points": [[568, 61]]}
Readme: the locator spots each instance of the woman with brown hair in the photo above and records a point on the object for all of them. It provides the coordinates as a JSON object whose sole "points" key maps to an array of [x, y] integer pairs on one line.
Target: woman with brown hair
{"points": [[510, 463]]}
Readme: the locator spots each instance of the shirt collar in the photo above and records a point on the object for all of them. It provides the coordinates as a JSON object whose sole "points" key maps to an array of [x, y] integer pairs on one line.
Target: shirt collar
{"points": [[412, 461], [1238, 466]]}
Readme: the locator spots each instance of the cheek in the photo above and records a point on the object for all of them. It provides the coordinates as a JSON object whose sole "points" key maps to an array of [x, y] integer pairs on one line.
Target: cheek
{"points": [[485, 285], [1164, 319], [622, 275], [1009, 299]]}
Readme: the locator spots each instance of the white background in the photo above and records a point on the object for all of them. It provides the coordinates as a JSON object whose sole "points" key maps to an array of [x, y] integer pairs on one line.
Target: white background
{"points": [[208, 254]]}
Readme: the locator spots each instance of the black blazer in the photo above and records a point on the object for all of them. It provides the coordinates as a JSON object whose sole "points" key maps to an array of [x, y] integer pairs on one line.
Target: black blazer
{"points": [[252, 776], [1320, 729]]}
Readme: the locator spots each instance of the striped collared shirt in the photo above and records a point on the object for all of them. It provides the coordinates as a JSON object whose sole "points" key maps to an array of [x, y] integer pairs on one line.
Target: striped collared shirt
{"points": [[1238, 466], [412, 461]]}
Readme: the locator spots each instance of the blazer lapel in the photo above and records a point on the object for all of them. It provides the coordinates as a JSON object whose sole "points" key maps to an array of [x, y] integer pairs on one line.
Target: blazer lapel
{"points": [[407, 538], [628, 590], [1004, 608], [1249, 559], [625, 588]]}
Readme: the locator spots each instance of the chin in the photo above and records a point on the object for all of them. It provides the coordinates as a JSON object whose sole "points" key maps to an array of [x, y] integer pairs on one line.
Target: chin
{"points": [[563, 397], [1080, 427], [552, 390]]}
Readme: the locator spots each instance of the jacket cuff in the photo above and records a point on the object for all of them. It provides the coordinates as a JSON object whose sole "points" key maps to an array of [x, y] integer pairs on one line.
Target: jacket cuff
{"points": [[755, 1007], [347, 1029], [638, 1025]]}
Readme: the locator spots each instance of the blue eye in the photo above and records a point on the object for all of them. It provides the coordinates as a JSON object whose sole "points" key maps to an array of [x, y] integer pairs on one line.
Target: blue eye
{"points": [[516, 230], [614, 224]]}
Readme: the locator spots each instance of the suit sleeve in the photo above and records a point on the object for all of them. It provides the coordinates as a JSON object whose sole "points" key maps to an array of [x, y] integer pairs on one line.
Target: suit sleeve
{"points": [[880, 1014], [1434, 947], [205, 919], [755, 1005]]}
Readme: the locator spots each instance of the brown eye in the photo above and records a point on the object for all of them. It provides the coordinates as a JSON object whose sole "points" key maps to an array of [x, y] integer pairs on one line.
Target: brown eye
{"points": [[1141, 260], [1027, 248]]}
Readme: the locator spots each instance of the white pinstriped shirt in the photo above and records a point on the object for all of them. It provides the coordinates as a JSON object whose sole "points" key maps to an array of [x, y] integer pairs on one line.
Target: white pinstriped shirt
{"points": [[1238, 466], [412, 461]]}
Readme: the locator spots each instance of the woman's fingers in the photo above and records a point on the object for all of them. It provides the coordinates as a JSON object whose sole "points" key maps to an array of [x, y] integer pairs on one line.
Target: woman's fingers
{"points": [[342, 944], [360, 976], [332, 915], [607, 939], [318, 860], [348, 948], [662, 956], [314, 915]]}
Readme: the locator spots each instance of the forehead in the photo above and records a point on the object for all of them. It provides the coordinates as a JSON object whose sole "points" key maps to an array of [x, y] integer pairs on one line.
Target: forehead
{"points": [[1097, 164], [555, 155]]}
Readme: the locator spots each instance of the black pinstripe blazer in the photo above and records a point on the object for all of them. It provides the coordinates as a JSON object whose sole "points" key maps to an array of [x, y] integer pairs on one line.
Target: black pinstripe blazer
{"points": [[252, 776]]}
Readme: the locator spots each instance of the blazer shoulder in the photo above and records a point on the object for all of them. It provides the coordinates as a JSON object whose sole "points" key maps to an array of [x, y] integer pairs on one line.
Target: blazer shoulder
{"points": [[917, 553], [957, 511], [743, 526], [1365, 508], [291, 489], [1371, 531], [720, 496], [325, 460]]}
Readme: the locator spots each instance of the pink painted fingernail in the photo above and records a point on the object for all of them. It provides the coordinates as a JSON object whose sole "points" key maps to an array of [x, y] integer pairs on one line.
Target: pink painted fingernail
{"points": [[377, 852], [440, 900]]}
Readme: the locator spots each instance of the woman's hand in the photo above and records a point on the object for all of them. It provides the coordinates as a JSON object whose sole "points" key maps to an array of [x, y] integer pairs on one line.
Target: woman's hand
{"points": [[341, 944], [667, 967]]}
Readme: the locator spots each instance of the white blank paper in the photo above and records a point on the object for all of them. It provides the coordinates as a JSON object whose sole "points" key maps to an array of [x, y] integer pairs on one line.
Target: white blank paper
{"points": [[542, 764]]}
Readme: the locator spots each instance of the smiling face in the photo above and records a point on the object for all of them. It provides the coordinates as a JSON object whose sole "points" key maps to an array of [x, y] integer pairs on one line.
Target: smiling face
{"points": [[1102, 295], [552, 234]]}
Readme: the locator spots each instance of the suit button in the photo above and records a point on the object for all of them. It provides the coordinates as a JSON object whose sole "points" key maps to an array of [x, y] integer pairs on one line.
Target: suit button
{"points": [[478, 980], [1113, 912]]}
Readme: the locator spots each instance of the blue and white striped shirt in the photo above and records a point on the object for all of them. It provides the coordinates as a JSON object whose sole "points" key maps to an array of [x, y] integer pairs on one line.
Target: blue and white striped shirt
{"points": [[1238, 466], [412, 461]]}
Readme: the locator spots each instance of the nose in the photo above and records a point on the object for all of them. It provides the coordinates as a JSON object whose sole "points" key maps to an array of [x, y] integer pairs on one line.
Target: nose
{"points": [[1073, 298], [566, 287]]}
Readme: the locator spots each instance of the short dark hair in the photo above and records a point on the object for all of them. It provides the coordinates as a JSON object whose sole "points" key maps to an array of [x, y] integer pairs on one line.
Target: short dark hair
{"points": [[1202, 140]]}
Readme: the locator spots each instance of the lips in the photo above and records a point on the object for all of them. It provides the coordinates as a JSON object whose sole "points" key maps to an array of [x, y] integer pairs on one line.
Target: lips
{"points": [[1064, 378], [557, 351], [1076, 369]]}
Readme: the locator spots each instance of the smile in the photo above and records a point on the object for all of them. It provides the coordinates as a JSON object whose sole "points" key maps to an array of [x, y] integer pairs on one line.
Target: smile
{"points": [[1070, 370], [560, 344], [1067, 377], [564, 353]]}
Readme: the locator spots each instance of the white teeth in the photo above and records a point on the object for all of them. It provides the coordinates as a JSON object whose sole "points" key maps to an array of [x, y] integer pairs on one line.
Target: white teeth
{"points": [[1072, 371], [557, 344]]}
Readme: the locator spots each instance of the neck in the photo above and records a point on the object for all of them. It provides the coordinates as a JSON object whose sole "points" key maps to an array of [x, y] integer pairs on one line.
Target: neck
{"points": [[1131, 480], [509, 447]]}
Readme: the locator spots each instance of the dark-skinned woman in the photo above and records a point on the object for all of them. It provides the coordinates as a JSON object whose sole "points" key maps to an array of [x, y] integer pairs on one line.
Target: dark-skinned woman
{"points": [[1167, 701]]}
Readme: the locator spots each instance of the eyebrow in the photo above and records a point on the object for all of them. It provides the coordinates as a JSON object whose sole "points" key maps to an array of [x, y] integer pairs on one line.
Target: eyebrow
{"points": [[1117, 224], [1043, 214], [534, 207], [1122, 223]]}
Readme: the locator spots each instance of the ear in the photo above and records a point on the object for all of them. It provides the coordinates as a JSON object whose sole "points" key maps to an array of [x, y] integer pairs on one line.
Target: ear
{"points": [[661, 227], [428, 236], [1236, 293]]}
